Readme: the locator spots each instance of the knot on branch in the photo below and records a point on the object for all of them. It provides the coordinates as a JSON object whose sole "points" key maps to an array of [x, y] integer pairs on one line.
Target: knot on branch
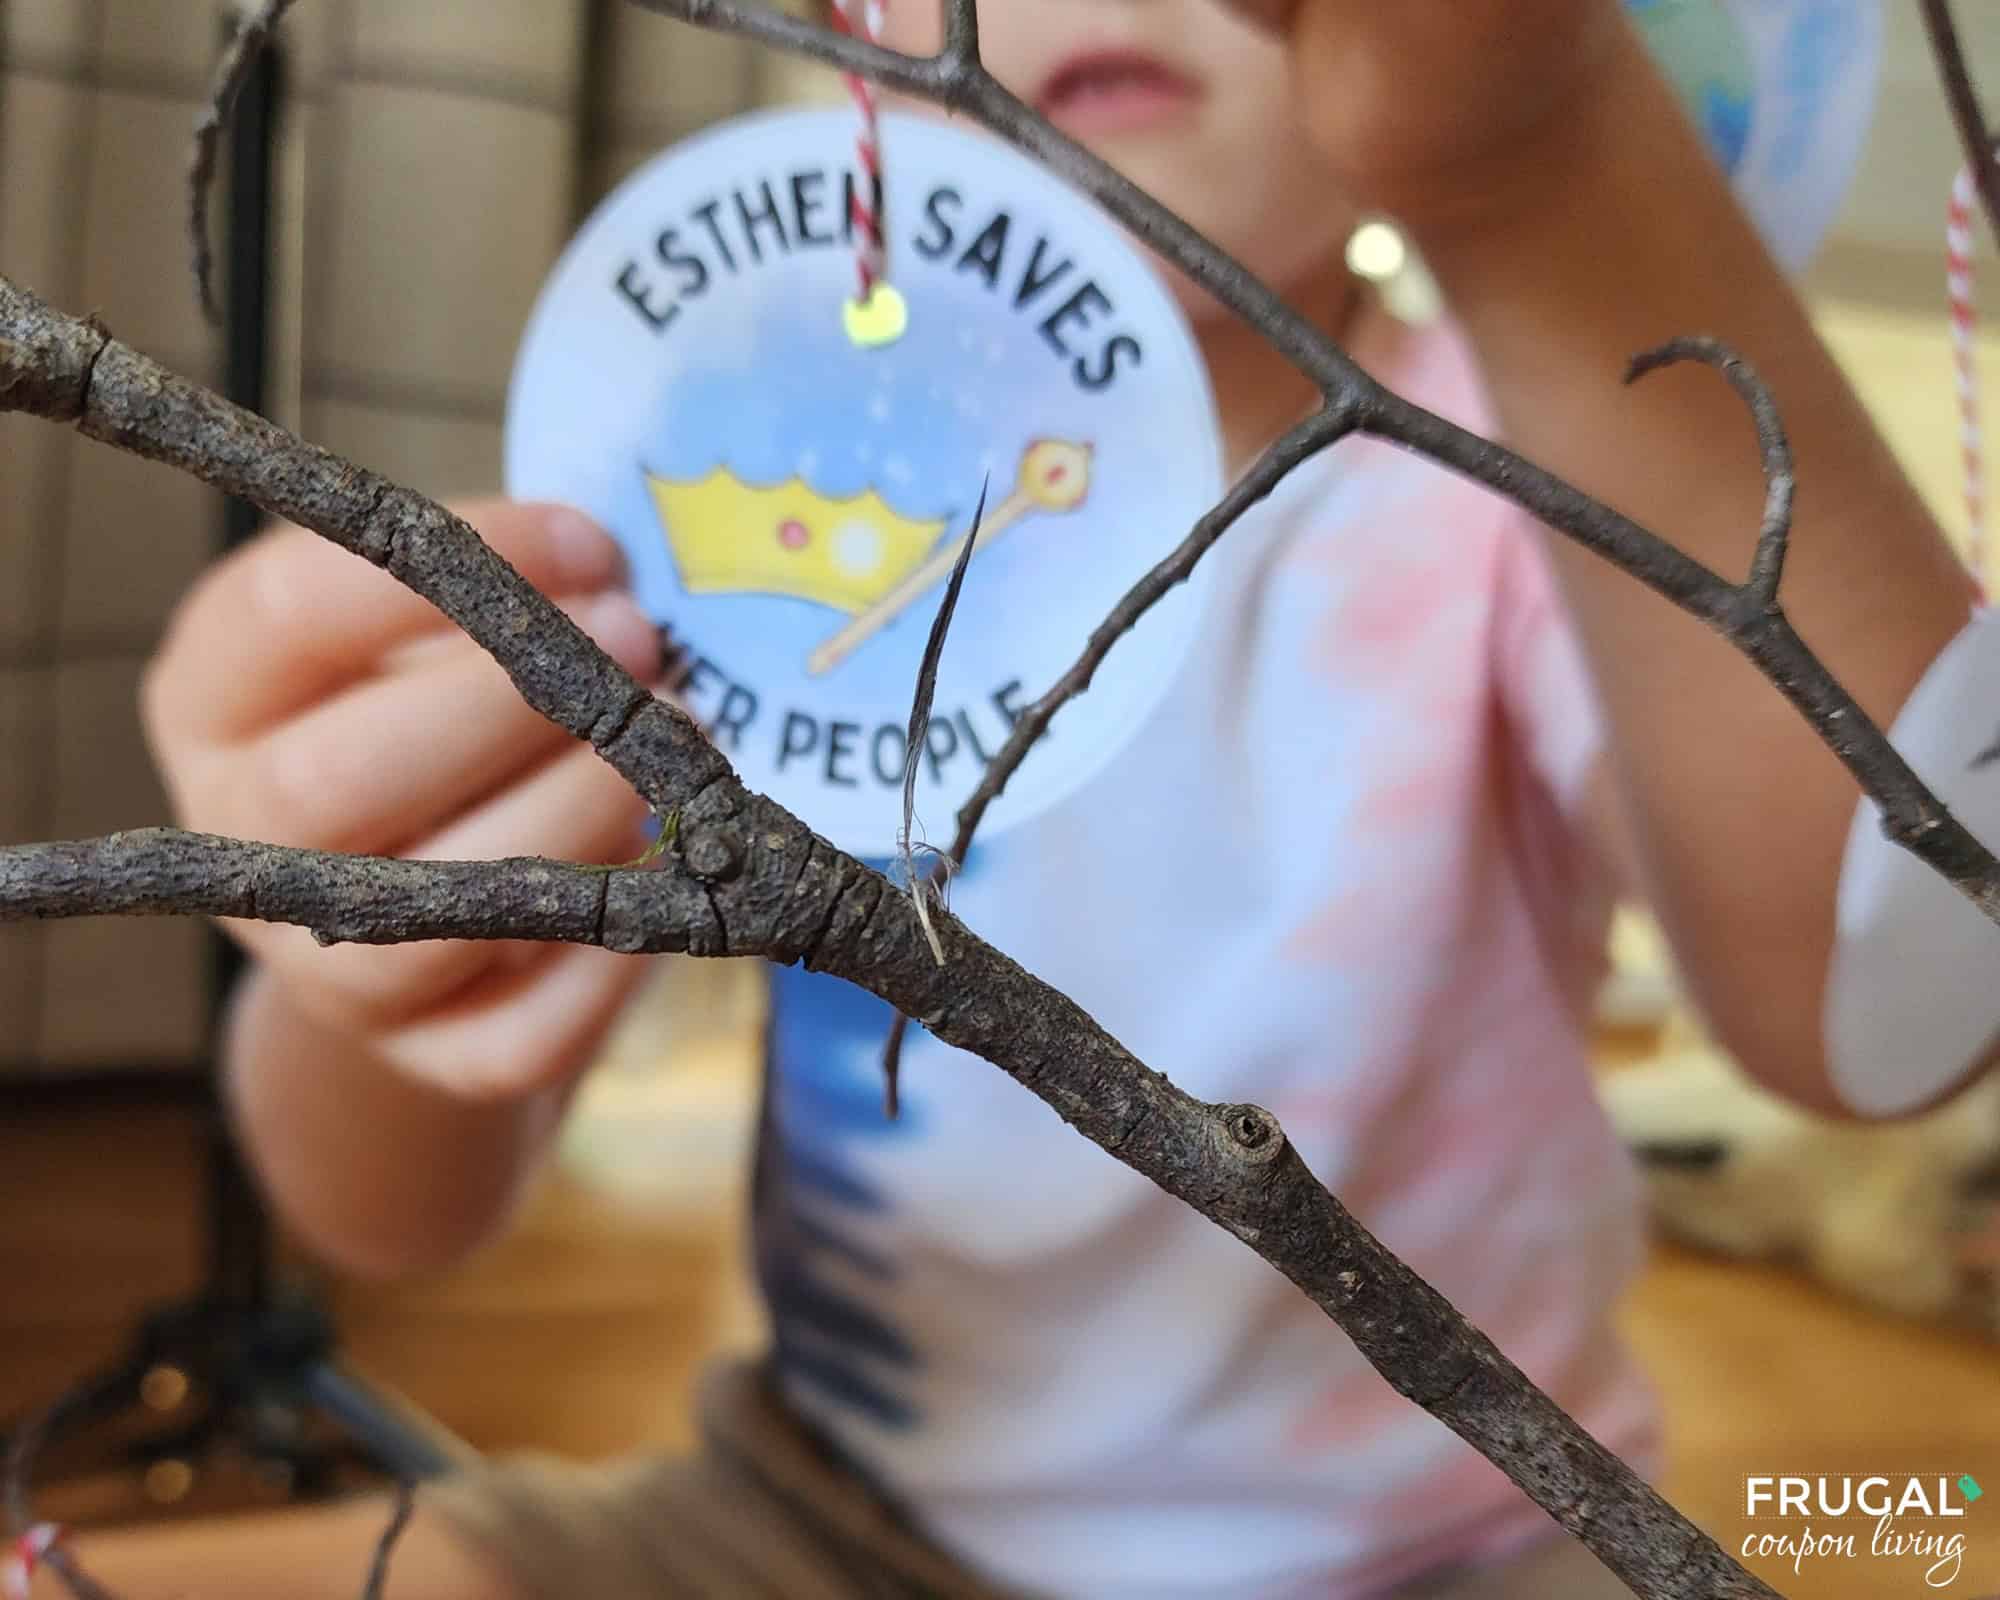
{"points": [[1253, 1132], [714, 855]]}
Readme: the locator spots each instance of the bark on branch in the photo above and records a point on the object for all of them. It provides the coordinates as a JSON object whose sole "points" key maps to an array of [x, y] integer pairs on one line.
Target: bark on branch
{"points": [[744, 877]]}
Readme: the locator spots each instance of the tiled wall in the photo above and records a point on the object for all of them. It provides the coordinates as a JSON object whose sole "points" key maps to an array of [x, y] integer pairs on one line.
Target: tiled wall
{"points": [[436, 155], [95, 105]]}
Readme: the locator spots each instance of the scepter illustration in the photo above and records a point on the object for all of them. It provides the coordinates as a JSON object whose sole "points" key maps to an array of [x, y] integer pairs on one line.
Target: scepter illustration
{"points": [[1054, 476]]}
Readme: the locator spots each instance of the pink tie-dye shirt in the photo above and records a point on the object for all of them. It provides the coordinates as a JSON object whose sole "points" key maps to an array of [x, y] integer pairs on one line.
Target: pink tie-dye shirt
{"points": [[1340, 873]]}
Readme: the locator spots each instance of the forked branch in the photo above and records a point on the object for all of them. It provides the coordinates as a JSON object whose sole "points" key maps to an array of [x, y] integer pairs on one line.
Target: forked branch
{"points": [[744, 877]]}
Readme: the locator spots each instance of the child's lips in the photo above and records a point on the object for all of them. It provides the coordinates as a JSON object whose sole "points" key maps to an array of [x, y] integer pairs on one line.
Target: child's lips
{"points": [[1115, 91]]}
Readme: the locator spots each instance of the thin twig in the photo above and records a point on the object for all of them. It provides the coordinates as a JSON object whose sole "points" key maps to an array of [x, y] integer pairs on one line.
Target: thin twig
{"points": [[920, 719], [923, 887], [961, 31], [1303, 441], [253, 34], [892, 1060], [24, 1448], [1975, 138], [1298, 445], [399, 1519], [1767, 566]]}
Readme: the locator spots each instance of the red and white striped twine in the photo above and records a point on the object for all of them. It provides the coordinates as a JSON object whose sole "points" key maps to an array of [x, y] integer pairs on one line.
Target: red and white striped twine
{"points": [[23, 1556], [862, 19], [1958, 244]]}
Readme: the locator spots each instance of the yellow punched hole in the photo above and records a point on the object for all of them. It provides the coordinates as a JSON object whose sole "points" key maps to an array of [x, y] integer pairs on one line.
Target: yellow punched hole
{"points": [[880, 319]]}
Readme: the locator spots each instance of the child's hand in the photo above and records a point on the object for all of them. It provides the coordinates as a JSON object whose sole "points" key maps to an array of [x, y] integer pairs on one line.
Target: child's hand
{"points": [[1430, 110], [302, 697]]}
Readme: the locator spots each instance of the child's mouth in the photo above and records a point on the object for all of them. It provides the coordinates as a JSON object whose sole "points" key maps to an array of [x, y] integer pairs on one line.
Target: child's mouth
{"points": [[1115, 91]]}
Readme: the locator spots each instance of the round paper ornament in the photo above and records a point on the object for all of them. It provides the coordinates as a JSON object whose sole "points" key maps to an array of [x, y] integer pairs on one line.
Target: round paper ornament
{"points": [[1910, 1004], [792, 496]]}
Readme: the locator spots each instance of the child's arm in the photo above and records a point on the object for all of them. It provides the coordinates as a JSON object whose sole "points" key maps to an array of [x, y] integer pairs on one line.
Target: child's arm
{"points": [[1573, 219]]}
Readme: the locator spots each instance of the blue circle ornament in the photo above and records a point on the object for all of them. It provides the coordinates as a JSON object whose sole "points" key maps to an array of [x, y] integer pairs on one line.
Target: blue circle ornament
{"points": [[791, 490]]}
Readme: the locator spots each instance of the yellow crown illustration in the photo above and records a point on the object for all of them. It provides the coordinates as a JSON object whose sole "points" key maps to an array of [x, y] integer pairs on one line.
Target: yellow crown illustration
{"points": [[729, 537], [854, 555]]}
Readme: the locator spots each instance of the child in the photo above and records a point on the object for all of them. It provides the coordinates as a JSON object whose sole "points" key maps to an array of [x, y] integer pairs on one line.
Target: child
{"points": [[1356, 873]]}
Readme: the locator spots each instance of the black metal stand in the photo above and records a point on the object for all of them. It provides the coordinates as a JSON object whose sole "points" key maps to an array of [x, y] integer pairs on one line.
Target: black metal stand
{"points": [[245, 1366]]}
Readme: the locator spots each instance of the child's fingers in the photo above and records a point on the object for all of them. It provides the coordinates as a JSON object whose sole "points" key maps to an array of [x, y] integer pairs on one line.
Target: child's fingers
{"points": [[572, 808], [291, 618], [511, 1033], [390, 759]]}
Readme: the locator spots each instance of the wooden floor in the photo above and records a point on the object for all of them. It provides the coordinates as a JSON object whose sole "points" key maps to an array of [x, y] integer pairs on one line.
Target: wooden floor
{"points": [[580, 1333]]}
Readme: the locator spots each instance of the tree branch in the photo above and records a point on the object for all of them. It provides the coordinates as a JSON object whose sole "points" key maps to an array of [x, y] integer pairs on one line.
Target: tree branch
{"points": [[961, 31], [744, 877], [253, 33], [770, 888], [1974, 137], [915, 741], [67, 370], [149, 872], [1767, 566]]}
